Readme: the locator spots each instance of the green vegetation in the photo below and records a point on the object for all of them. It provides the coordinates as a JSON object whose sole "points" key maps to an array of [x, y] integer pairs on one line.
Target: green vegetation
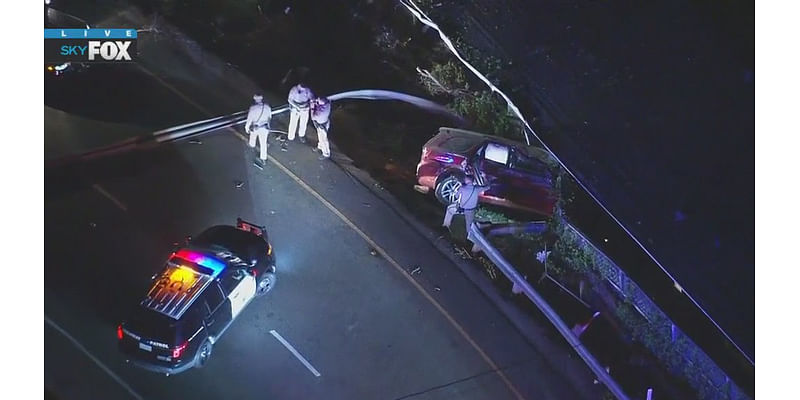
{"points": [[486, 110]]}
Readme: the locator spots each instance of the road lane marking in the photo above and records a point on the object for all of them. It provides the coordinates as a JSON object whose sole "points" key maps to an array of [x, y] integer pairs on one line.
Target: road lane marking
{"points": [[93, 358], [296, 353], [380, 250], [109, 196]]}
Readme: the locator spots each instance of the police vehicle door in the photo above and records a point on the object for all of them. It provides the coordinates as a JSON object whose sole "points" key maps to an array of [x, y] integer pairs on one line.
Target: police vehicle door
{"points": [[242, 292], [216, 315]]}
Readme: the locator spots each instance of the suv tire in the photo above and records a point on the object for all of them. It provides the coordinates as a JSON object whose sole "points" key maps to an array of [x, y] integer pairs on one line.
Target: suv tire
{"points": [[204, 354], [447, 190], [265, 284]]}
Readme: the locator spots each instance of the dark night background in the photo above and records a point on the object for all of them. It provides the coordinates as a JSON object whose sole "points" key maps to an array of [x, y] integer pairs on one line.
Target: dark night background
{"points": [[652, 105]]}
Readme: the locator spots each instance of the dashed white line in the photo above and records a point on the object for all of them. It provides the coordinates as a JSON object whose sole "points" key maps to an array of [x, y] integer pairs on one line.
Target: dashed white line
{"points": [[109, 196], [93, 358], [296, 353]]}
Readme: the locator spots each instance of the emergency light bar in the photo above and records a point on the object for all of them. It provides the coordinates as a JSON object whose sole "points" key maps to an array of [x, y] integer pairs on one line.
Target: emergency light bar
{"points": [[200, 259]]}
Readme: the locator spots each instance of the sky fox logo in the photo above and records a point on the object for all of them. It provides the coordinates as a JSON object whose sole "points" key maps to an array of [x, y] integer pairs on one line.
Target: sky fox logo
{"points": [[102, 45], [108, 51]]}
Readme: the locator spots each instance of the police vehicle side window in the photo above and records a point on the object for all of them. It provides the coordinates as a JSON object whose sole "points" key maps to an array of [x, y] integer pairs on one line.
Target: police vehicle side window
{"points": [[213, 297]]}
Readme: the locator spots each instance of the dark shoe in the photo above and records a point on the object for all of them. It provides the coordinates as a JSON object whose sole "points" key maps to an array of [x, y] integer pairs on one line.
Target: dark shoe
{"points": [[259, 163], [302, 139]]}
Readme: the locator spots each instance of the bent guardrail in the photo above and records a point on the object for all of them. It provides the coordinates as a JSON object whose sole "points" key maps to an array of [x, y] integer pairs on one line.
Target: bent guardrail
{"points": [[706, 377], [481, 243]]}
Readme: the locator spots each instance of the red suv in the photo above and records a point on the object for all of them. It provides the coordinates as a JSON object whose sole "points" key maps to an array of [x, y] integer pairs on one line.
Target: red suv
{"points": [[518, 176]]}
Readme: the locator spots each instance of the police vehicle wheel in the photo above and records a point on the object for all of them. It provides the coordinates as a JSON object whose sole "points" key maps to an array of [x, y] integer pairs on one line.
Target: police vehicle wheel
{"points": [[447, 190], [203, 354], [266, 284]]}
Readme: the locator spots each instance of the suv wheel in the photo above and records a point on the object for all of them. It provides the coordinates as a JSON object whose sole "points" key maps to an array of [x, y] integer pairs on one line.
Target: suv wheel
{"points": [[265, 284], [203, 354], [447, 190]]}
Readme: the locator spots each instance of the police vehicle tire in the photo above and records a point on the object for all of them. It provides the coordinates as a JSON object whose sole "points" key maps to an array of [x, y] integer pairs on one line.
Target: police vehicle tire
{"points": [[203, 353], [265, 284], [447, 189]]}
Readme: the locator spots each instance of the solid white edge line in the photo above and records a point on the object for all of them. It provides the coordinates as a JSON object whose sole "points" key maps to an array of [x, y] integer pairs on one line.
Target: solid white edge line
{"points": [[109, 196], [296, 353], [93, 358]]}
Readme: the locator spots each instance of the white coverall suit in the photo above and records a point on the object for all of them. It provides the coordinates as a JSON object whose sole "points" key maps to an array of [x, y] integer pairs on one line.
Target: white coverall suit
{"points": [[257, 125], [299, 104], [467, 204], [320, 115]]}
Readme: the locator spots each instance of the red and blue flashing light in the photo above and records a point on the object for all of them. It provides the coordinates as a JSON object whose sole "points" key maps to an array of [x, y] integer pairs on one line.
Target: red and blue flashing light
{"points": [[201, 259]]}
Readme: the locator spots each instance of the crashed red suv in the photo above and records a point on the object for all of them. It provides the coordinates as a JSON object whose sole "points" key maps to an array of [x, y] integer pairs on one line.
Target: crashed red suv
{"points": [[518, 176]]}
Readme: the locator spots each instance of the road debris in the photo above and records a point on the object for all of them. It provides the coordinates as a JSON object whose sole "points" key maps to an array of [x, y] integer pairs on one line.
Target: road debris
{"points": [[272, 212], [92, 225], [463, 253], [238, 184], [195, 141], [373, 252], [437, 288], [417, 270], [365, 204]]}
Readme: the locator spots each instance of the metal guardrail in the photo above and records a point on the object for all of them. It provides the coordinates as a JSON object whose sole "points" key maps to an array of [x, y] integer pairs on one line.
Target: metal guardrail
{"points": [[710, 373], [482, 243], [174, 134]]}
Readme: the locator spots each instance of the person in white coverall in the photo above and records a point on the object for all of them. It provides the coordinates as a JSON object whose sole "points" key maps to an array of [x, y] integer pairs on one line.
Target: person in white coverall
{"points": [[257, 125], [321, 117], [300, 98], [467, 202]]}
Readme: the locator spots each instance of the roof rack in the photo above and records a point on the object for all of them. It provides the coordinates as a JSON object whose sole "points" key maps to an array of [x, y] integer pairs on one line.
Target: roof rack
{"points": [[176, 289]]}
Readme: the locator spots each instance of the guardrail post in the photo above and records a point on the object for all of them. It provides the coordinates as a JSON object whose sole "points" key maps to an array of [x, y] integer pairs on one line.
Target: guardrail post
{"points": [[515, 289]]}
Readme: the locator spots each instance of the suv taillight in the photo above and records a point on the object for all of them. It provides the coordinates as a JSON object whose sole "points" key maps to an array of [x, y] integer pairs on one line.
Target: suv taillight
{"points": [[177, 351], [119, 332]]}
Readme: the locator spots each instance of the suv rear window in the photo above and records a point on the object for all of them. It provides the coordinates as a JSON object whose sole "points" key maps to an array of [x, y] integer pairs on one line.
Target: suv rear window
{"points": [[152, 325], [155, 326]]}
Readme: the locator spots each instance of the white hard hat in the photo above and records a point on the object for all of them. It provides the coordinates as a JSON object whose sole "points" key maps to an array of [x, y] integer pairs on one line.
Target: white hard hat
{"points": [[258, 97]]}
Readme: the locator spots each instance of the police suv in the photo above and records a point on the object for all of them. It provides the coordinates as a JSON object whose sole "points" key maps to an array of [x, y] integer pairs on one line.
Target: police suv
{"points": [[204, 286]]}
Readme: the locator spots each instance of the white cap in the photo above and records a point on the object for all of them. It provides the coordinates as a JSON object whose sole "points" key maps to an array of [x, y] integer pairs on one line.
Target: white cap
{"points": [[258, 97]]}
